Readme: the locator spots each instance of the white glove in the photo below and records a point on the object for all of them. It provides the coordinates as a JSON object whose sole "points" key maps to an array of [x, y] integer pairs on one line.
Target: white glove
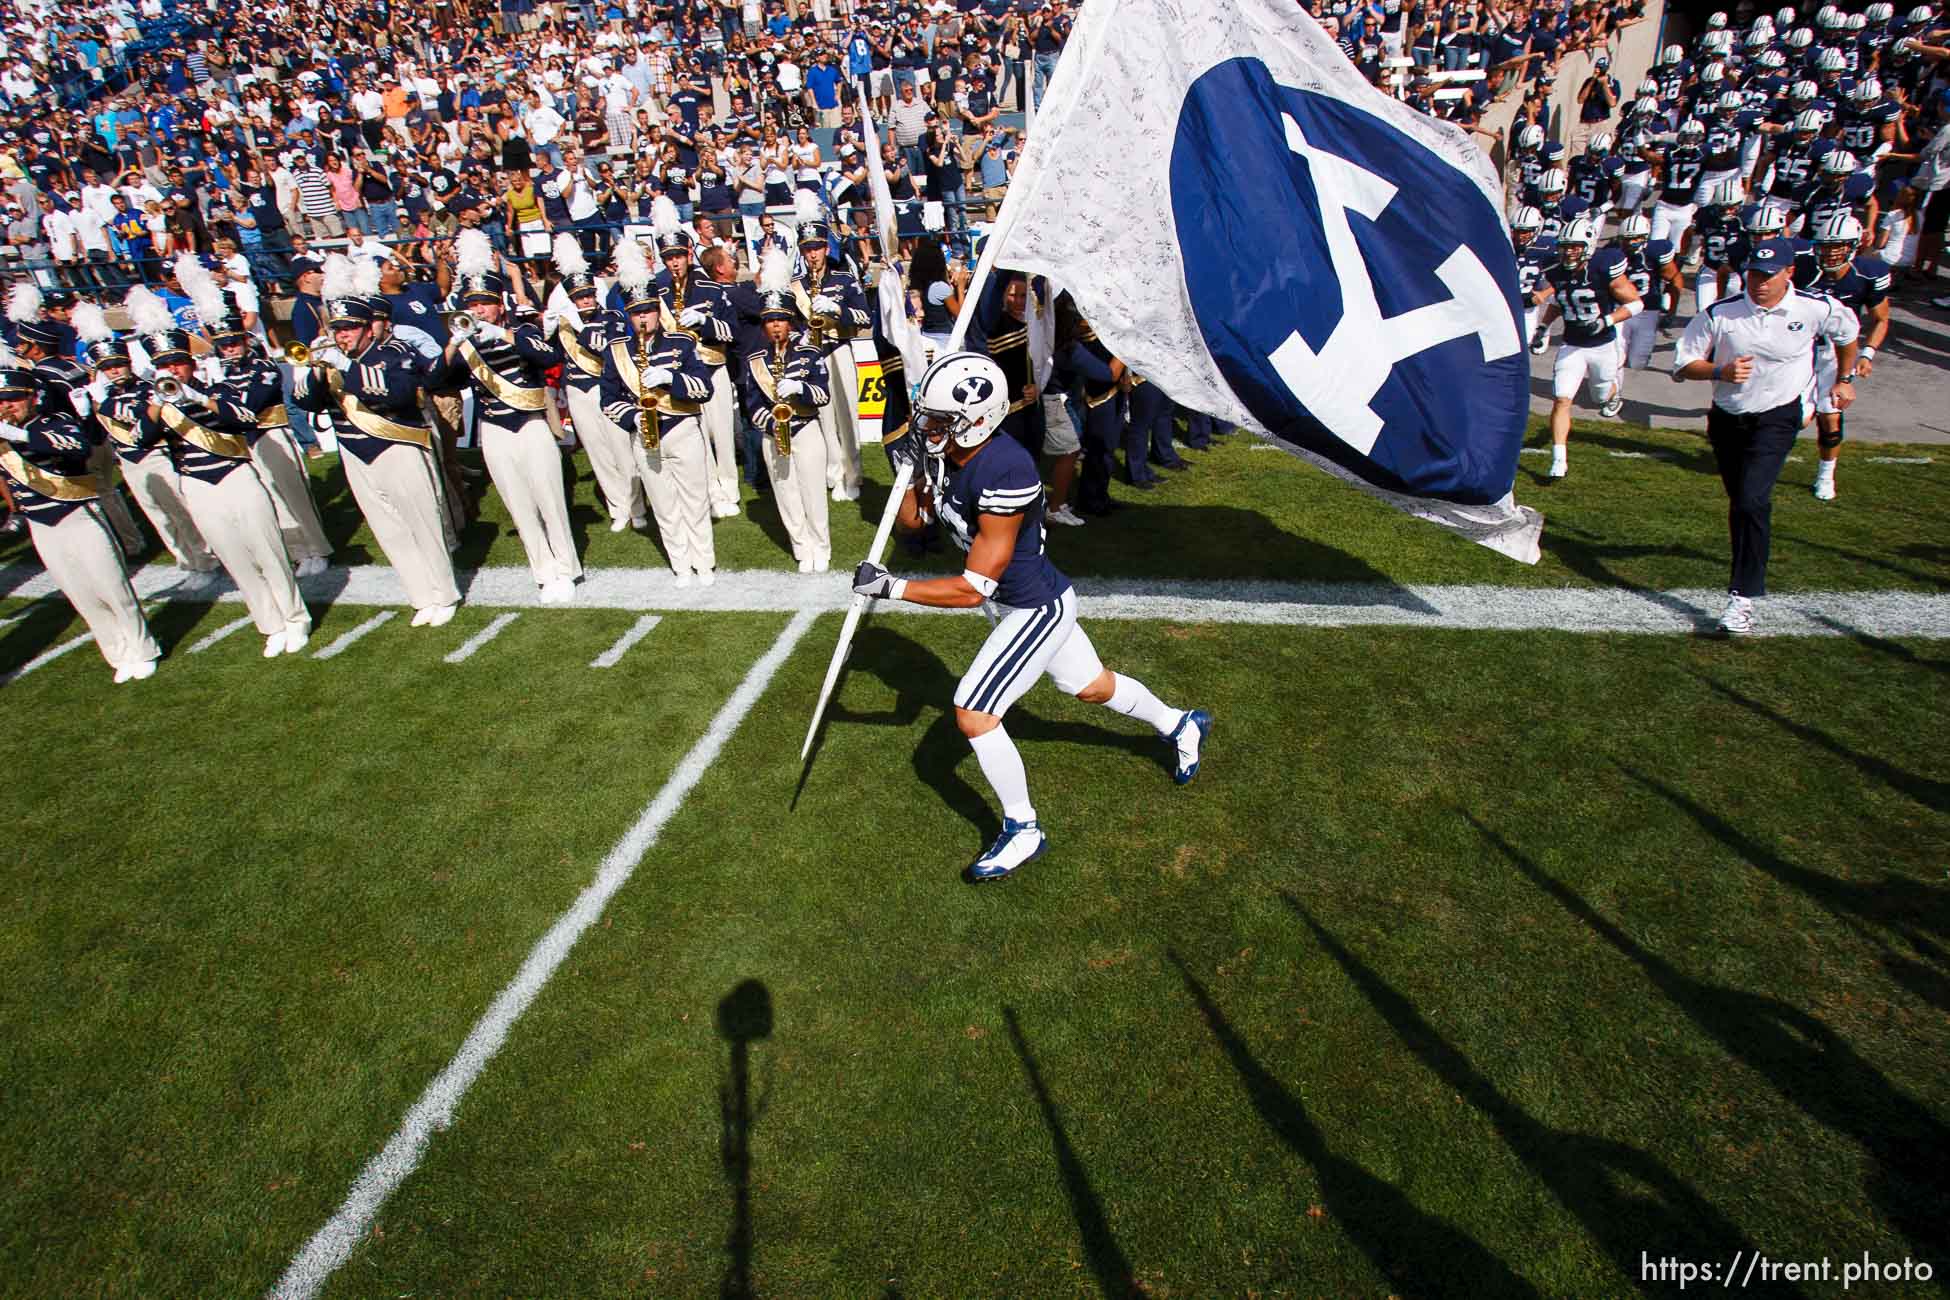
{"points": [[693, 315], [98, 390], [194, 394], [824, 306], [210, 370], [656, 377], [82, 405], [12, 432], [790, 388], [486, 333]]}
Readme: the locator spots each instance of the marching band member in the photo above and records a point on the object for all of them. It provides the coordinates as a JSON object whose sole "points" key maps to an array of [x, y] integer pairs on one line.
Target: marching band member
{"points": [[654, 389], [209, 439], [835, 311], [44, 460], [505, 363], [245, 377], [695, 305], [580, 329], [387, 449], [987, 490], [784, 385], [46, 346], [117, 399]]}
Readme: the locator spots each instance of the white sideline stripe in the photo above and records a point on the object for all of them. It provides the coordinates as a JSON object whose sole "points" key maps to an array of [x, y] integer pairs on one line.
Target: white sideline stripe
{"points": [[480, 638], [340, 646], [1477, 607], [333, 1244], [46, 657], [1900, 460], [638, 630], [220, 634]]}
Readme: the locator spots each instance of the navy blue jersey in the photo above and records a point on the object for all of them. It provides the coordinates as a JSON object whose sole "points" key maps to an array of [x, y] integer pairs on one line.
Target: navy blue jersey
{"points": [[1717, 230], [1591, 177], [1681, 177], [1861, 287], [1793, 165], [1553, 221], [48, 470], [1529, 167], [1584, 298], [1536, 257], [1821, 200], [1001, 479], [1722, 143], [1862, 129], [1646, 264]]}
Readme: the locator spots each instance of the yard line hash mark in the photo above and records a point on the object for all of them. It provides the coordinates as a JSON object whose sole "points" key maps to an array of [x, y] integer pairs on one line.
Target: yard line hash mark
{"points": [[344, 643], [638, 630], [333, 1244], [480, 638], [233, 626], [46, 657]]}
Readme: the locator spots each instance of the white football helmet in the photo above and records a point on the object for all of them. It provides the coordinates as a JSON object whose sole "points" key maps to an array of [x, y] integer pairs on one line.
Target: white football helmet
{"points": [[1867, 91], [1635, 230], [1783, 17], [1599, 145], [1801, 38], [1716, 22], [1804, 92], [1920, 15], [1531, 137], [1672, 54], [1809, 121], [1692, 131], [1831, 60], [1575, 242], [1836, 236], [1553, 183], [1857, 23], [1765, 221], [1840, 162], [964, 397], [1731, 102], [1526, 222], [1711, 73], [1880, 13], [1648, 89]]}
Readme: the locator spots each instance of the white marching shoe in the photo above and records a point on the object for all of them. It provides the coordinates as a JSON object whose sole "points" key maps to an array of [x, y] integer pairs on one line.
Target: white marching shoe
{"points": [[822, 562], [705, 577], [441, 615], [683, 580], [312, 567], [121, 675], [618, 525], [421, 617], [805, 566], [296, 637], [274, 645], [143, 671]]}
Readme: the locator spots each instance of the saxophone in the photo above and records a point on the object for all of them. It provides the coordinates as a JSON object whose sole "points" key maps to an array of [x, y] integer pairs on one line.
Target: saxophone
{"points": [[781, 409], [677, 287], [818, 324], [646, 399]]}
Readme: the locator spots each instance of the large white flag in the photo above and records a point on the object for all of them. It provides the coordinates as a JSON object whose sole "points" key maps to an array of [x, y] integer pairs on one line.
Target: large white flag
{"points": [[1249, 224]]}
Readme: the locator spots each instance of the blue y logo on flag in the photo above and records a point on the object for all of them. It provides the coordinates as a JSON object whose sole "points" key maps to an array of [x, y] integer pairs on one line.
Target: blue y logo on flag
{"points": [[1356, 290]]}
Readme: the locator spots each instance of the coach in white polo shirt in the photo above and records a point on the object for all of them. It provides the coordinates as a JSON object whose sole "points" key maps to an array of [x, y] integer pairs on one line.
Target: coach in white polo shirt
{"points": [[1758, 348]]}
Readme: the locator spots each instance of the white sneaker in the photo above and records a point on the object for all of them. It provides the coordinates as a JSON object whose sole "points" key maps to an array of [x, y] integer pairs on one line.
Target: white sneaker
{"points": [[805, 566], [546, 595], [1019, 843], [312, 567], [1824, 487], [1613, 406], [705, 577], [822, 562], [724, 510], [565, 591], [618, 525], [295, 638], [683, 579], [121, 675], [421, 616], [441, 615], [1738, 620], [1560, 465], [639, 522], [274, 645], [143, 671], [1064, 515]]}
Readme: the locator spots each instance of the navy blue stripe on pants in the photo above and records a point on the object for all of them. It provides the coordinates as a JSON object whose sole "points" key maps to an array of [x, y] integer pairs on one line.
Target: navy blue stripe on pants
{"points": [[1026, 643], [1750, 451]]}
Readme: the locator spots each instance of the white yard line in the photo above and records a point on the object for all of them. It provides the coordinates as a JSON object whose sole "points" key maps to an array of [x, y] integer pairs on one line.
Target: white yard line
{"points": [[341, 645], [45, 657], [1298, 604], [234, 625], [334, 1243], [480, 638], [1899, 460], [638, 630]]}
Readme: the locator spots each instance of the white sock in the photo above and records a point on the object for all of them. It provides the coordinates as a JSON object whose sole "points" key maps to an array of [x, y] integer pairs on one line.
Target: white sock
{"points": [[1002, 765], [1824, 469], [1560, 454], [1134, 699]]}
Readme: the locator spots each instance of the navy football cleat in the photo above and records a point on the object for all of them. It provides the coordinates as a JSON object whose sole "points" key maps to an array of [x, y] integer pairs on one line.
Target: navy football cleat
{"points": [[1201, 723], [1018, 843]]}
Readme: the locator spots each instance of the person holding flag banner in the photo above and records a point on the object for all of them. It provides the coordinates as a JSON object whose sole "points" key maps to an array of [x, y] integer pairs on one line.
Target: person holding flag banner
{"points": [[1273, 241]]}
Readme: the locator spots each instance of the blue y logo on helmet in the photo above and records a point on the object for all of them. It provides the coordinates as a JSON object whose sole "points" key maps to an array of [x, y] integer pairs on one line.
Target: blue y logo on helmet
{"points": [[1355, 289], [972, 390]]}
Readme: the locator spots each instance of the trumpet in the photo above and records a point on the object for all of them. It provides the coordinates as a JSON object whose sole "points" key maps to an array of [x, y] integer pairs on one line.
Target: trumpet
{"points": [[460, 324], [297, 354], [168, 388]]}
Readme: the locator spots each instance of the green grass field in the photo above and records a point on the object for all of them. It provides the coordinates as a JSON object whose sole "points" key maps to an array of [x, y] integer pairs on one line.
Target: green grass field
{"points": [[1474, 964]]}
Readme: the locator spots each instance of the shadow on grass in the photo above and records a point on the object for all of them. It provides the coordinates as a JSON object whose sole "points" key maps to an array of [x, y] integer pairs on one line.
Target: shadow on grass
{"points": [[1586, 555], [42, 626], [1870, 641], [1805, 1061], [1931, 793], [1624, 1197], [744, 1018], [922, 683], [1698, 461], [1912, 909], [1901, 571], [1107, 1262], [1151, 539], [1417, 1252]]}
